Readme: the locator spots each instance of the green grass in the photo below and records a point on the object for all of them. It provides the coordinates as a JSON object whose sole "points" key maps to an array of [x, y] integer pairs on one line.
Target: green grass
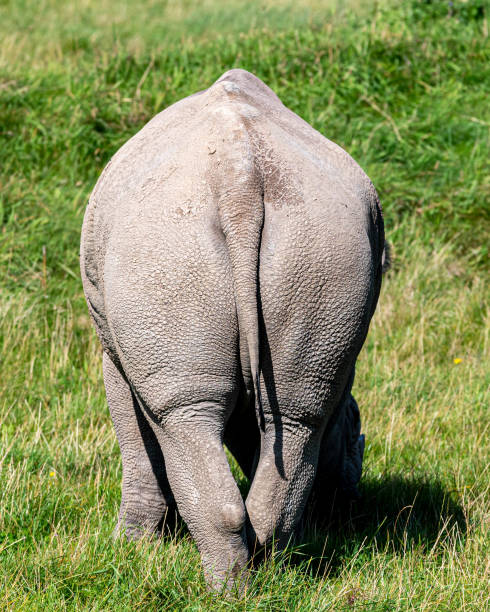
{"points": [[405, 90]]}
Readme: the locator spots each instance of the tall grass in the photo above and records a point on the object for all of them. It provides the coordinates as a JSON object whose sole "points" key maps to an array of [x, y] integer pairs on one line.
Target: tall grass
{"points": [[405, 90]]}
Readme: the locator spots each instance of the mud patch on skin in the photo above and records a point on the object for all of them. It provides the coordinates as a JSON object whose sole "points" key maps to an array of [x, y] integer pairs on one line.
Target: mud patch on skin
{"points": [[282, 186], [188, 208]]}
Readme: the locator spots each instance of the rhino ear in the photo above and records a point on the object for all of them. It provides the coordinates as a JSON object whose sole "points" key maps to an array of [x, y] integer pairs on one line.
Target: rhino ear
{"points": [[354, 453], [386, 257], [352, 470], [362, 444]]}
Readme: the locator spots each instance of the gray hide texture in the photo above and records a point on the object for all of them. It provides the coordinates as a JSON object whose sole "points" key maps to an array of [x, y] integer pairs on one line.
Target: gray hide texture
{"points": [[231, 260]]}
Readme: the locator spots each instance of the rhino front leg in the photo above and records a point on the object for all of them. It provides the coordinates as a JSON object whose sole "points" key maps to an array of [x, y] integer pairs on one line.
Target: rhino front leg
{"points": [[206, 493], [146, 497]]}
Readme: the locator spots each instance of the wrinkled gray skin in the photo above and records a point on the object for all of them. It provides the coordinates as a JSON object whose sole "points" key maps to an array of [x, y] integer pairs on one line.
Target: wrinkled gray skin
{"points": [[231, 260]]}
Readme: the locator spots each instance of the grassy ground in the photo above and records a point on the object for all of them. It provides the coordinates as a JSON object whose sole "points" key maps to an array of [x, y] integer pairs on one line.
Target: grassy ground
{"points": [[405, 90]]}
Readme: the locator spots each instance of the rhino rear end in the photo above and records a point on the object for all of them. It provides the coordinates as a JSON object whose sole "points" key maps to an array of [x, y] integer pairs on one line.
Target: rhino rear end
{"points": [[231, 262]]}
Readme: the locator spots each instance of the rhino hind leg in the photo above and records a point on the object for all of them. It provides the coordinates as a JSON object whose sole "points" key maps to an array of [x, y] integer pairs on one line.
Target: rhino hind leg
{"points": [[146, 500], [206, 493]]}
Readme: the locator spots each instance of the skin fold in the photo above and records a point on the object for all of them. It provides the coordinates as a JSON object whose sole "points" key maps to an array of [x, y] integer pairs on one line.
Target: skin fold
{"points": [[231, 260]]}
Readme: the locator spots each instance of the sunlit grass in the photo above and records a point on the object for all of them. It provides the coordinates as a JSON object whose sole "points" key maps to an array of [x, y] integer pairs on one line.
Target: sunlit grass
{"points": [[49, 32]]}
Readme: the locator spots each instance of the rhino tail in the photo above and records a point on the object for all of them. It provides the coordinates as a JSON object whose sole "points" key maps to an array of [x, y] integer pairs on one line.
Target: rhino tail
{"points": [[241, 215]]}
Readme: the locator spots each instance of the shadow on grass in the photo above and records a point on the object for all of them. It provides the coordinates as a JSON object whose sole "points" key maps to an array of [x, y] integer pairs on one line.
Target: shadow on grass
{"points": [[393, 513]]}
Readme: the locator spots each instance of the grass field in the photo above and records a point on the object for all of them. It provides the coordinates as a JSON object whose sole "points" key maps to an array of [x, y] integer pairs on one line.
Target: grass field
{"points": [[405, 89]]}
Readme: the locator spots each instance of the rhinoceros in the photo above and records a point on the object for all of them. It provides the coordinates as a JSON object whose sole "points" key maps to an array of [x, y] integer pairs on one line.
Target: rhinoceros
{"points": [[231, 260]]}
